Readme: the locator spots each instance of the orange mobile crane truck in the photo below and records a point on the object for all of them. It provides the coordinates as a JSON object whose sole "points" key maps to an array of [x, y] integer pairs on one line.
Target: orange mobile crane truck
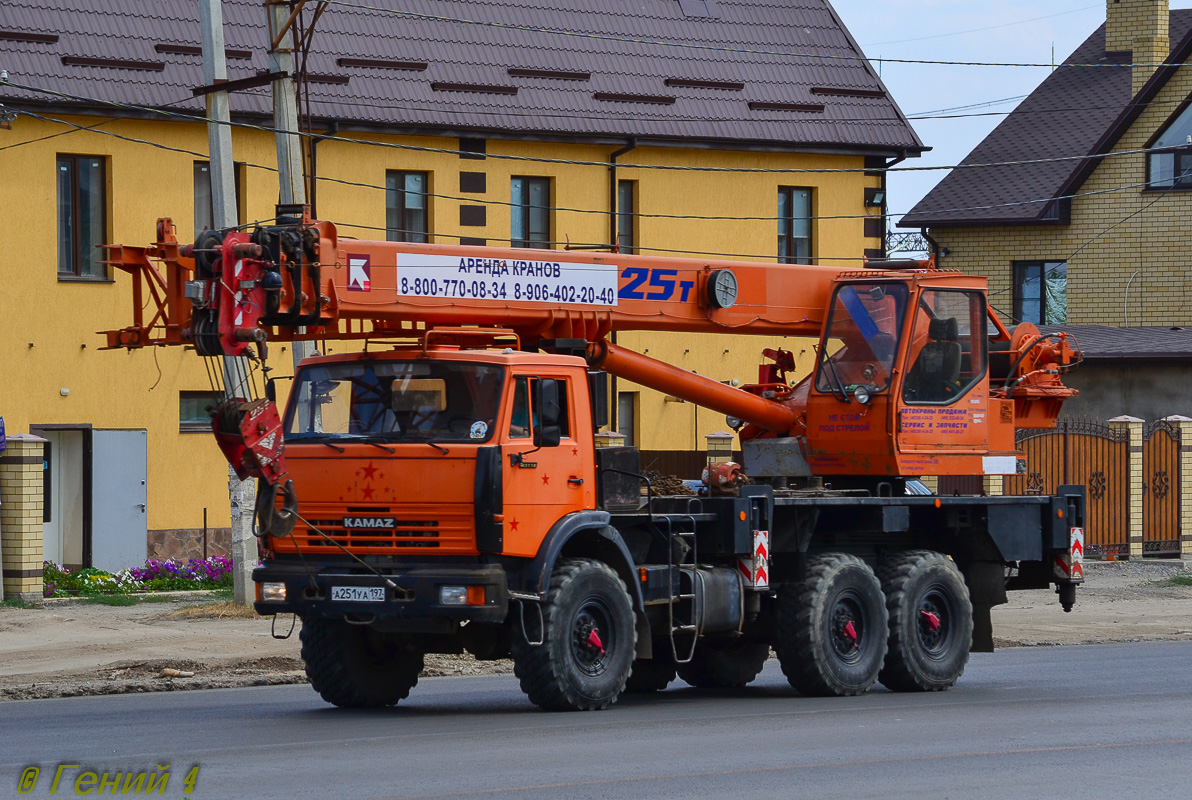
{"points": [[440, 491]]}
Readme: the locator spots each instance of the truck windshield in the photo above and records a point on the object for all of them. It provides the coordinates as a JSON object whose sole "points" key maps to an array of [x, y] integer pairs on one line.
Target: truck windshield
{"points": [[395, 401], [862, 338]]}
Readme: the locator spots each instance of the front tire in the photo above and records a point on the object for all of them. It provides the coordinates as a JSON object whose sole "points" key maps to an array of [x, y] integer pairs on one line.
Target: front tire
{"points": [[725, 665], [831, 627], [589, 640], [353, 666], [931, 622]]}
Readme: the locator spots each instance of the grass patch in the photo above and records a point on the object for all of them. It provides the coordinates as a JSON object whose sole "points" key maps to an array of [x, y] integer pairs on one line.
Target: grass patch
{"points": [[17, 602], [111, 600], [222, 610], [156, 598], [1180, 580]]}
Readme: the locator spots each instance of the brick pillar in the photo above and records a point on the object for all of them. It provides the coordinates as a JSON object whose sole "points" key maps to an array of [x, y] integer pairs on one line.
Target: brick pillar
{"points": [[1184, 425], [1133, 426], [21, 516], [993, 485]]}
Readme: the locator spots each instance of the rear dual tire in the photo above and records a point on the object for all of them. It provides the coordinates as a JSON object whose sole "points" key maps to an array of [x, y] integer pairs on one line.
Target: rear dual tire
{"points": [[930, 621], [832, 627]]}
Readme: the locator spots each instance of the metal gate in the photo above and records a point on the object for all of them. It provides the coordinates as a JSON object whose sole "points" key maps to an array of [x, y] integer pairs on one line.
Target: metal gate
{"points": [[1161, 489], [1088, 453]]}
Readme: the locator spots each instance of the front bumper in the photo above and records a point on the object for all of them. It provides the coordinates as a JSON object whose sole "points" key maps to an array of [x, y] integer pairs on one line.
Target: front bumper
{"points": [[414, 603]]}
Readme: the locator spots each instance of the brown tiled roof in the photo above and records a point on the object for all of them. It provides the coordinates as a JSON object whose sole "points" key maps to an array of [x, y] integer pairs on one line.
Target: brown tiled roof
{"points": [[1075, 111], [509, 70], [1107, 343]]}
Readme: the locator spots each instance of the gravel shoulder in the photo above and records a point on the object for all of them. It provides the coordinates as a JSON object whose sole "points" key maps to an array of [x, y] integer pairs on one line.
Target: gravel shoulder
{"points": [[72, 648]]}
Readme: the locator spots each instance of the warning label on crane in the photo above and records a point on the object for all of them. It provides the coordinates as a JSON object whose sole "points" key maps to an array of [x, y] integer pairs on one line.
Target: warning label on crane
{"points": [[452, 277]]}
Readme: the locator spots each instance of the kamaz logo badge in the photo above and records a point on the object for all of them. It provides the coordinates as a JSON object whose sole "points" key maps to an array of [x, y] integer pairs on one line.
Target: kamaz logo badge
{"points": [[376, 523]]}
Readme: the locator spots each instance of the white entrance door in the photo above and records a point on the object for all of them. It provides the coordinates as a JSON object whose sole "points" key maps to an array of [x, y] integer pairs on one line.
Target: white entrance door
{"points": [[62, 538], [119, 522]]}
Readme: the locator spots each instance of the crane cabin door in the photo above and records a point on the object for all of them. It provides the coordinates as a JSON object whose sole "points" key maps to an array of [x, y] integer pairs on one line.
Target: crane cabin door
{"points": [[542, 485], [944, 409]]}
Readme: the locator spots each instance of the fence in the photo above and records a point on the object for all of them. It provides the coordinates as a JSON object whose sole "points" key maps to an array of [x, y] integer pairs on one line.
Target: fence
{"points": [[1137, 478]]}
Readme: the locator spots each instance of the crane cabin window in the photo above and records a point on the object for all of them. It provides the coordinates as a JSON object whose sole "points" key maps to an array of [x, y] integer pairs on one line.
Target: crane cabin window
{"points": [[395, 401], [861, 340], [948, 348]]}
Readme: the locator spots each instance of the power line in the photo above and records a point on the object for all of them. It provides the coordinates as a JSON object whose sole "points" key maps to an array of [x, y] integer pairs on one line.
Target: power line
{"points": [[708, 47], [604, 212], [191, 117], [981, 30]]}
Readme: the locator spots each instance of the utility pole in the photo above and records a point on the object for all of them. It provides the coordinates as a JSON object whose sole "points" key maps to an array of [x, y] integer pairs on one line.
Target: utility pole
{"points": [[285, 120], [242, 494]]}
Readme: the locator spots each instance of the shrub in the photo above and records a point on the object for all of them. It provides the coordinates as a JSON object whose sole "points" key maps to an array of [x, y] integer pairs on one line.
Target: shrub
{"points": [[155, 576]]}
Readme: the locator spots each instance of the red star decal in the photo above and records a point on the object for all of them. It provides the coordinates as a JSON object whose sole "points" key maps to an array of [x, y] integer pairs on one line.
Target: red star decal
{"points": [[367, 493], [575, 451], [368, 472], [513, 524], [545, 479]]}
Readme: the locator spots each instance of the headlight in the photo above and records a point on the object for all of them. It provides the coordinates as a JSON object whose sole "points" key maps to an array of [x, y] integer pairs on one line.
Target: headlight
{"points": [[453, 595], [733, 422], [273, 592], [861, 395]]}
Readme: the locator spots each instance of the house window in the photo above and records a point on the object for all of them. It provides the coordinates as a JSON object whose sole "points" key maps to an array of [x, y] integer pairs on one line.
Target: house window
{"points": [[405, 206], [205, 200], [1041, 292], [530, 212], [794, 225], [82, 217], [193, 416], [1172, 168], [626, 230]]}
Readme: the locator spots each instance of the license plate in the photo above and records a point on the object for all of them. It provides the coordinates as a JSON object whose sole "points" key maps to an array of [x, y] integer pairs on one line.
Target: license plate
{"points": [[358, 594]]}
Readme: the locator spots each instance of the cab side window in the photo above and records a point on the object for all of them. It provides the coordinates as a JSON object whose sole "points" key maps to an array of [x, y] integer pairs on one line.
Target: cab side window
{"points": [[948, 347], [524, 417]]}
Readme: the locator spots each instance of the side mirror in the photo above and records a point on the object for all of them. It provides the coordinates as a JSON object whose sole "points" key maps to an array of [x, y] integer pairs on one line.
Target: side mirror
{"points": [[547, 436], [271, 390], [546, 401], [547, 432]]}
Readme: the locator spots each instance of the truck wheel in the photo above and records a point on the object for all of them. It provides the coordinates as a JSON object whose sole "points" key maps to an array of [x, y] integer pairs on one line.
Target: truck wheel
{"points": [[831, 627], [589, 640], [353, 666], [725, 665], [652, 674], [931, 622]]}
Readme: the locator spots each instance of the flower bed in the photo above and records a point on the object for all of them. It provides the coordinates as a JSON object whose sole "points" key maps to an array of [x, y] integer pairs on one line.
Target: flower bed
{"points": [[155, 576]]}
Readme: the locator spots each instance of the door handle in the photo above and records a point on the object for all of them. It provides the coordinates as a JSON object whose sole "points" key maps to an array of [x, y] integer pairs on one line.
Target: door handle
{"points": [[574, 481], [140, 506]]}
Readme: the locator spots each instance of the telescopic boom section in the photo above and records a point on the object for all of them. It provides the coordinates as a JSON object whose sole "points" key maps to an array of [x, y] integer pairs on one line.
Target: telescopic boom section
{"points": [[244, 289]]}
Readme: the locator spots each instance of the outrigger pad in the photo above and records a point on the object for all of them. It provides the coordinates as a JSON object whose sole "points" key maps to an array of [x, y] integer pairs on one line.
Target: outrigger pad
{"points": [[250, 436]]}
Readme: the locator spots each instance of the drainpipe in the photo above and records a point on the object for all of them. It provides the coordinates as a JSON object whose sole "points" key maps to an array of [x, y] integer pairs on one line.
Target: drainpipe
{"points": [[886, 197], [614, 404], [313, 193]]}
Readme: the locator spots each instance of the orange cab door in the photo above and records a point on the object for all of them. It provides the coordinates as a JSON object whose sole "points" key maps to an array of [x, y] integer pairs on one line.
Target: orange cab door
{"points": [[542, 485], [944, 391]]}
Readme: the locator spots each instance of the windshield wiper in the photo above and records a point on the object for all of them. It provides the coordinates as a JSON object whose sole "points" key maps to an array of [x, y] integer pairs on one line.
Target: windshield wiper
{"points": [[374, 443]]}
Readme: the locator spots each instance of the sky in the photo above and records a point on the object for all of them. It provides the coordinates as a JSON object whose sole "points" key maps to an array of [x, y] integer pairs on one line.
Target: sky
{"points": [[1020, 31]]}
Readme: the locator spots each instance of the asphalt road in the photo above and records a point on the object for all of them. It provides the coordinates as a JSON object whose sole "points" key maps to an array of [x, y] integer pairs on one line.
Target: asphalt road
{"points": [[1109, 721]]}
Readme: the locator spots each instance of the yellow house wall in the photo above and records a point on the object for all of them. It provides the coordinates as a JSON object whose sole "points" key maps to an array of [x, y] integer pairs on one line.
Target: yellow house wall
{"points": [[1120, 237], [49, 337]]}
